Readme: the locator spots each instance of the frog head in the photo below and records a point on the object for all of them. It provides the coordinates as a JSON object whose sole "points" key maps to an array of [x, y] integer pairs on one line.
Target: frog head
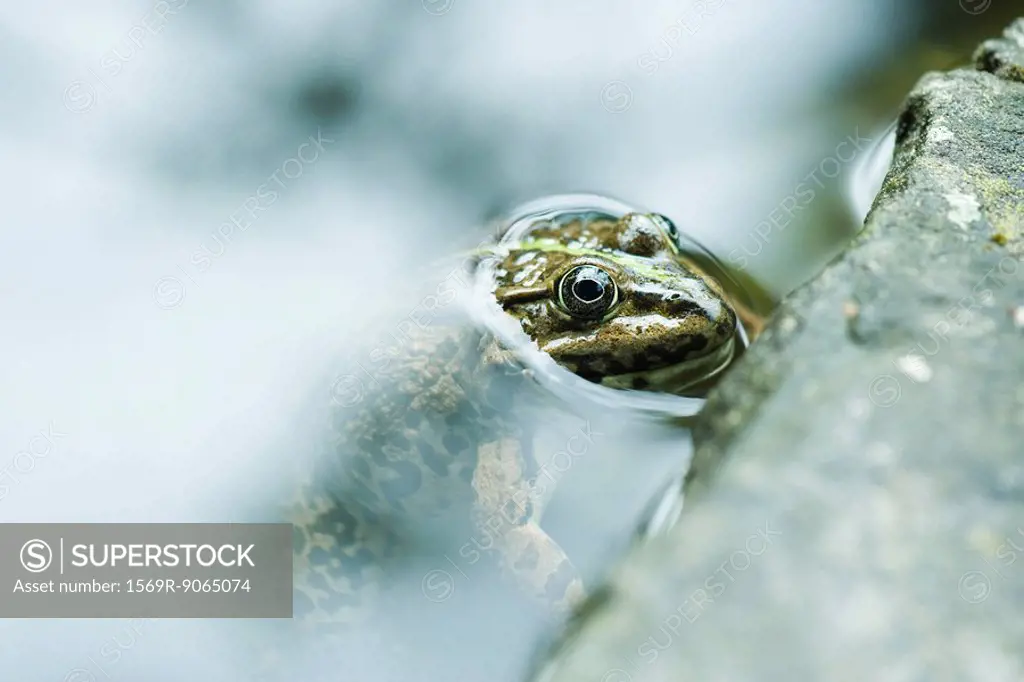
{"points": [[615, 301]]}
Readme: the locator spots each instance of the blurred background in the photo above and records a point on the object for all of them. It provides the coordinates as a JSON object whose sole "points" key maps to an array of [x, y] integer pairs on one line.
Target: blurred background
{"points": [[205, 201]]}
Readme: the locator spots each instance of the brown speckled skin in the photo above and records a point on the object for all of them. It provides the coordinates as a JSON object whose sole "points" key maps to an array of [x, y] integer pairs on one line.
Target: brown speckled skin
{"points": [[435, 450], [669, 311]]}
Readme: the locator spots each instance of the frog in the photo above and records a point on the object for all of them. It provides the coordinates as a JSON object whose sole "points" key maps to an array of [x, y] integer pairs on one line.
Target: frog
{"points": [[437, 444]]}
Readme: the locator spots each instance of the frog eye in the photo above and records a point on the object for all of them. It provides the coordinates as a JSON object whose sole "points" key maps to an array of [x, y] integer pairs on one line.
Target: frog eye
{"points": [[667, 225], [587, 292]]}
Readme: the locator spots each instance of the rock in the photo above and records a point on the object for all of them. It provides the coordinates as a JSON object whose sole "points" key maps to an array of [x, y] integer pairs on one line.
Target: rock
{"points": [[855, 510], [1004, 57]]}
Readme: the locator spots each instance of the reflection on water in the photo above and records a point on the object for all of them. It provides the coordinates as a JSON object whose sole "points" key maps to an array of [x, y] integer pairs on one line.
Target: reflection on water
{"points": [[866, 179], [180, 269]]}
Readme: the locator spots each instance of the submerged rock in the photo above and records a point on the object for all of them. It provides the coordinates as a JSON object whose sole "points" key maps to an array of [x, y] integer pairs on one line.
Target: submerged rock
{"points": [[855, 509]]}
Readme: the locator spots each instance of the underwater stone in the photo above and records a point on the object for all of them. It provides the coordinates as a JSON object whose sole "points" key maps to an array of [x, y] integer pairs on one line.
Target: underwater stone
{"points": [[855, 510]]}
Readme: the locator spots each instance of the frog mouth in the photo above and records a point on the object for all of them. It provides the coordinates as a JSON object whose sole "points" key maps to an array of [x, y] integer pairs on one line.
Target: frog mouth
{"points": [[681, 378]]}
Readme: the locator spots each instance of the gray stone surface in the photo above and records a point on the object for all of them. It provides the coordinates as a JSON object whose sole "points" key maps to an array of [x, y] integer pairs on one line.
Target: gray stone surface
{"points": [[1004, 56], [856, 506]]}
